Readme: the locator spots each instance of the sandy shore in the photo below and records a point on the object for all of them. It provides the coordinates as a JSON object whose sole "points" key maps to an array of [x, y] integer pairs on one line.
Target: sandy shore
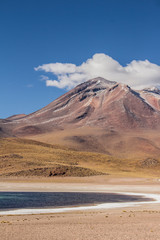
{"points": [[121, 224], [138, 222]]}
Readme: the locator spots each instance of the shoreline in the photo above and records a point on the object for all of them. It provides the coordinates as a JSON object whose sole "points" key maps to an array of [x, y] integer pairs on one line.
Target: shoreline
{"points": [[102, 206], [140, 187], [137, 221]]}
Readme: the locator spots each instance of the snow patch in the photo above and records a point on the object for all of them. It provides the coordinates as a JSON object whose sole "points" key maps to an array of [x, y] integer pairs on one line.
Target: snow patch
{"points": [[89, 102]]}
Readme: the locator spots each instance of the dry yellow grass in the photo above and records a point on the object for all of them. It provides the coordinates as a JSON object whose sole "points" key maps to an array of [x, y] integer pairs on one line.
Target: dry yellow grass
{"points": [[17, 155]]}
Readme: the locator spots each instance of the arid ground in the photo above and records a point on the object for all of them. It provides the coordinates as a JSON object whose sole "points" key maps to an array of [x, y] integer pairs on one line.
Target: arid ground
{"points": [[30, 165], [140, 222]]}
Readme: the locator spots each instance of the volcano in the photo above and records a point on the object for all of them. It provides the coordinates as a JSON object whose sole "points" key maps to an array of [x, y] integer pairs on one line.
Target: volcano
{"points": [[91, 115]]}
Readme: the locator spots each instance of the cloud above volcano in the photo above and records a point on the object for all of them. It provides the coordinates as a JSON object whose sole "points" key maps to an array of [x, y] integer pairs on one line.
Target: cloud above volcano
{"points": [[137, 74]]}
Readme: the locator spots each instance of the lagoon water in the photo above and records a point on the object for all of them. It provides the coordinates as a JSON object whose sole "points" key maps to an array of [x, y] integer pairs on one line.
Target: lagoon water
{"points": [[21, 200]]}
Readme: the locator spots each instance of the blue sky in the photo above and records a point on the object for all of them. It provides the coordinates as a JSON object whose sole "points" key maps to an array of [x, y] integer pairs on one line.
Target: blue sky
{"points": [[33, 33]]}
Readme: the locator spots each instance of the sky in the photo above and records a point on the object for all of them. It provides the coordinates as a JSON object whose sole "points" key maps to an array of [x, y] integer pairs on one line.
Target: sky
{"points": [[48, 47]]}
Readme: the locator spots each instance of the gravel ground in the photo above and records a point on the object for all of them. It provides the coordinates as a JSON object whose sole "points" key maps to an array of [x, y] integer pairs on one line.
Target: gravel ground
{"points": [[120, 224]]}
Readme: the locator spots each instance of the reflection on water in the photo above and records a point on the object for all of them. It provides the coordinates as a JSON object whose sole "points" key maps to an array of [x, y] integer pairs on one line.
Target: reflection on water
{"points": [[18, 200]]}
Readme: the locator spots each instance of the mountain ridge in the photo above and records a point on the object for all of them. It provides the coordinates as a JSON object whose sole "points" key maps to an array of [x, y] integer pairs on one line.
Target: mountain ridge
{"points": [[96, 116], [97, 102]]}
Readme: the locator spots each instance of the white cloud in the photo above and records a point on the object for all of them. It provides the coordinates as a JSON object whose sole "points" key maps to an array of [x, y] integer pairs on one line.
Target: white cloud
{"points": [[58, 68], [44, 78], [137, 74]]}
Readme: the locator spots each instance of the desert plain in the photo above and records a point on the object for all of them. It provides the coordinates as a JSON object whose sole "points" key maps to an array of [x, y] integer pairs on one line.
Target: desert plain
{"points": [[141, 221], [28, 165]]}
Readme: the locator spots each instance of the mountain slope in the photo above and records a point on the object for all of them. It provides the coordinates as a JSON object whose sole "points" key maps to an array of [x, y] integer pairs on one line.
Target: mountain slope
{"points": [[97, 102], [21, 157], [98, 115], [152, 97]]}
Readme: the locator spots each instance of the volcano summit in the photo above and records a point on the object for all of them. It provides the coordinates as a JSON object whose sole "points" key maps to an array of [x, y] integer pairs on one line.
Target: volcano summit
{"points": [[97, 115], [97, 102]]}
